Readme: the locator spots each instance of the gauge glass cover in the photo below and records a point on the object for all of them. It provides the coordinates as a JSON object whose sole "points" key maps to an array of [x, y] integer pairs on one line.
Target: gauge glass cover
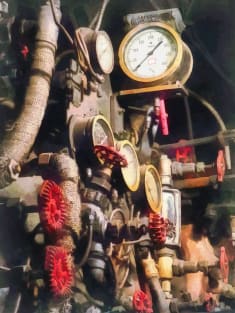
{"points": [[150, 52], [101, 132], [130, 173], [104, 51], [153, 188]]}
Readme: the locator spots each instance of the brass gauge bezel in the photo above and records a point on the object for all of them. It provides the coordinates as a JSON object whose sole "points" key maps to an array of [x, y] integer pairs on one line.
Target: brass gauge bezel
{"points": [[82, 135], [96, 51], [145, 170], [102, 119], [96, 54], [121, 146], [175, 64]]}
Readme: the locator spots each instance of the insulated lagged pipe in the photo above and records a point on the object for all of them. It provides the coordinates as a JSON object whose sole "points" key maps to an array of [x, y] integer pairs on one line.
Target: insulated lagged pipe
{"points": [[68, 176], [17, 143], [64, 171]]}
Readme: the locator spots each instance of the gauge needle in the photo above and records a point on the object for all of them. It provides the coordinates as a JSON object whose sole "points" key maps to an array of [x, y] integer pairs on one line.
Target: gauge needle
{"points": [[103, 51], [103, 140], [150, 193], [148, 55]]}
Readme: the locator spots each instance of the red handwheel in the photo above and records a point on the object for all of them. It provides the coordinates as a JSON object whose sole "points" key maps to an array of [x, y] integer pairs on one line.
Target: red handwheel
{"points": [[142, 302], [52, 206], [59, 265], [110, 156]]}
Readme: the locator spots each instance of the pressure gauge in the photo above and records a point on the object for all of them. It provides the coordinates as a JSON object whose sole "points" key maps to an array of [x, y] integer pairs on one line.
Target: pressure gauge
{"points": [[151, 52], [103, 52], [130, 173], [149, 193], [85, 133], [99, 46], [100, 131], [152, 186]]}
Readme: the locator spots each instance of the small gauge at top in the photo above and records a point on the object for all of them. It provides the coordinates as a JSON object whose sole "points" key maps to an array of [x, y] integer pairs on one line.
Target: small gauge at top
{"points": [[99, 47], [130, 173], [104, 54], [151, 52]]}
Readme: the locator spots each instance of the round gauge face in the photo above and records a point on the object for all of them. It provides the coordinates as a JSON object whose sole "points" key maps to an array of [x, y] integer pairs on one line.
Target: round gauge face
{"points": [[102, 133], [153, 188], [150, 52], [104, 52], [130, 173]]}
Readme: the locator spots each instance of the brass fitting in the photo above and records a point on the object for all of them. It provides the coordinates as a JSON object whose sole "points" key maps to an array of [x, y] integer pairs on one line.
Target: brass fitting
{"points": [[181, 267], [150, 269], [165, 268], [165, 170]]}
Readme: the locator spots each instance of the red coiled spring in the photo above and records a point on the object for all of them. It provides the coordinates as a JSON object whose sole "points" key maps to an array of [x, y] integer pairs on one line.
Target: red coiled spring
{"points": [[157, 228], [52, 207], [59, 265]]}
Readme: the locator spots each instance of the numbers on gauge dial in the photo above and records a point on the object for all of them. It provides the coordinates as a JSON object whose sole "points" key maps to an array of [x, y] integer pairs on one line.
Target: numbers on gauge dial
{"points": [[150, 52]]}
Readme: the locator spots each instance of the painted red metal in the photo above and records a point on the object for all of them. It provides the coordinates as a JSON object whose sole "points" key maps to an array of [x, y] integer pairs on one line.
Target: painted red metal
{"points": [[52, 206], [142, 302], [58, 263]]}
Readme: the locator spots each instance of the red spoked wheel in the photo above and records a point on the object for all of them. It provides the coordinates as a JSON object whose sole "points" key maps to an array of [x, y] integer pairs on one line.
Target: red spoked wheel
{"points": [[142, 302], [224, 264], [157, 228], [110, 156], [59, 265], [52, 206]]}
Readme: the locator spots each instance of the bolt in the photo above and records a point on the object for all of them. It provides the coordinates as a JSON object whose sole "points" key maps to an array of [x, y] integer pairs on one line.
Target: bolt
{"points": [[16, 169]]}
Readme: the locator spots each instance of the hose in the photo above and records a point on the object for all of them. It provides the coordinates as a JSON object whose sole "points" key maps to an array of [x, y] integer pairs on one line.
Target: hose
{"points": [[219, 121], [88, 247], [210, 107], [97, 20], [17, 143], [189, 123], [101, 14], [13, 301], [63, 29]]}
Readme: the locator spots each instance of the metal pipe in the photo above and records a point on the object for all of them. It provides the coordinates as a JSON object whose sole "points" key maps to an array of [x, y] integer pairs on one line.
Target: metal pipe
{"points": [[101, 14], [219, 120], [17, 143], [158, 295], [152, 277], [189, 123], [13, 301]]}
